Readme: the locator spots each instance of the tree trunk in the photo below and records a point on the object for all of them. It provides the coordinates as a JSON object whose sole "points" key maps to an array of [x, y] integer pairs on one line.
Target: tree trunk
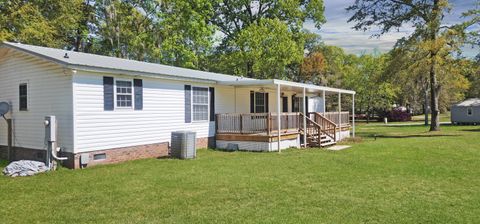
{"points": [[434, 86], [425, 107], [250, 70]]}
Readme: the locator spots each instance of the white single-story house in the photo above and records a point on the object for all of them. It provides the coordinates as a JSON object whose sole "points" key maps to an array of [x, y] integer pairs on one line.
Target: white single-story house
{"points": [[466, 112], [113, 109]]}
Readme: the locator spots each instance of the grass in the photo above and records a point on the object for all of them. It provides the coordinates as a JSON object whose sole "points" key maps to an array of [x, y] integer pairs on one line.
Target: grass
{"points": [[406, 175], [444, 117]]}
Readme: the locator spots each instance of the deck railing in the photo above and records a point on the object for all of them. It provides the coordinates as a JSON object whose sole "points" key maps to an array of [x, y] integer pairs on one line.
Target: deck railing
{"points": [[254, 123], [235, 123], [327, 126], [333, 116]]}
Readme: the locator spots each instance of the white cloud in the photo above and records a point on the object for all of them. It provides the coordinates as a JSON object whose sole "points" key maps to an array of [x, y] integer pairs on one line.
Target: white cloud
{"points": [[336, 31]]}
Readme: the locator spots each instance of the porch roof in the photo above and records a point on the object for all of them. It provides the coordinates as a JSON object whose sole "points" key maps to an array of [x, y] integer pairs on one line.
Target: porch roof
{"points": [[295, 86]]}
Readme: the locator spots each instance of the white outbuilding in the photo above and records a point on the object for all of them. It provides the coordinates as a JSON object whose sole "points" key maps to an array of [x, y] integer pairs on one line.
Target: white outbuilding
{"points": [[466, 112]]}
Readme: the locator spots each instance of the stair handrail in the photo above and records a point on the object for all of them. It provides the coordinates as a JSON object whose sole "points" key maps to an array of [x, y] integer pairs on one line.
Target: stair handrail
{"points": [[324, 129]]}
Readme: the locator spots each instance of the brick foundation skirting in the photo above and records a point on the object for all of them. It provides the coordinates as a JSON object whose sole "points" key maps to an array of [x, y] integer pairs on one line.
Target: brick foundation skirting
{"points": [[203, 143], [118, 155], [115, 155]]}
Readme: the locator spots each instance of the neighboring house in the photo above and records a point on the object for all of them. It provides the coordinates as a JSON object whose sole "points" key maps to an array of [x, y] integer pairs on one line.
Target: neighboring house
{"points": [[466, 112], [115, 109]]}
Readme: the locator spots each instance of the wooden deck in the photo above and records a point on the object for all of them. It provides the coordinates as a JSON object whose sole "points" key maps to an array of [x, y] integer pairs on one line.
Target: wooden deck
{"points": [[260, 137], [262, 127]]}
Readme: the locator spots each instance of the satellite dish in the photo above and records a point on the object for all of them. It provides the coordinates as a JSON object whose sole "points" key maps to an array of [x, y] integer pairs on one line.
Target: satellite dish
{"points": [[4, 108]]}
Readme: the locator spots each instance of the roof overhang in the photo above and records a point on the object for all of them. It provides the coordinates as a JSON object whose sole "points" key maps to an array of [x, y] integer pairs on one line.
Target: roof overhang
{"points": [[273, 83], [137, 74]]}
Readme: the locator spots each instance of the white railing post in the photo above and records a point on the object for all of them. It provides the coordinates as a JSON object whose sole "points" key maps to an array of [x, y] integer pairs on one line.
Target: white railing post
{"points": [[339, 115], [278, 118], [304, 118], [353, 115], [324, 102]]}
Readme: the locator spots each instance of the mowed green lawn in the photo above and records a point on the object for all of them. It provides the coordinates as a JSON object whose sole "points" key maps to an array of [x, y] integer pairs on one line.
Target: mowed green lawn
{"points": [[406, 175]]}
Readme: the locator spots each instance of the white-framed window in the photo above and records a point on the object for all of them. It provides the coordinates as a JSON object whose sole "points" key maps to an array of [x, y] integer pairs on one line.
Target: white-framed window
{"points": [[123, 93], [260, 102], [200, 103], [469, 111], [23, 97], [298, 104]]}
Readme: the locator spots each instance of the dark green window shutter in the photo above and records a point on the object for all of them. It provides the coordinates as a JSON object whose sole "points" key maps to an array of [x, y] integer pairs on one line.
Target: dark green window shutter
{"points": [[138, 91], [188, 104], [252, 102], [108, 96], [293, 103], [285, 104], [266, 102], [212, 103]]}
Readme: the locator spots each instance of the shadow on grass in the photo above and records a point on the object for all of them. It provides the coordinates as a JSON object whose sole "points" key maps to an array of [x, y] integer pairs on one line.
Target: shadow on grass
{"points": [[400, 125], [223, 150], [471, 130], [411, 136]]}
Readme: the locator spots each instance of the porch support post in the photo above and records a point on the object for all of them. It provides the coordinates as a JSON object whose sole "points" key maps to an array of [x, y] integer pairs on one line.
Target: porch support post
{"points": [[353, 115], [278, 118], [339, 115], [324, 102], [304, 118]]}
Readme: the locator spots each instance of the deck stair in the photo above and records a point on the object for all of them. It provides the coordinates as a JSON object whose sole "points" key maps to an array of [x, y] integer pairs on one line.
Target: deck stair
{"points": [[320, 132]]}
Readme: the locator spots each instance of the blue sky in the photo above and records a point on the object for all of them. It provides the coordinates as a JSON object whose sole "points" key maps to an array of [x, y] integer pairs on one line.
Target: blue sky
{"points": [[336, 31]]}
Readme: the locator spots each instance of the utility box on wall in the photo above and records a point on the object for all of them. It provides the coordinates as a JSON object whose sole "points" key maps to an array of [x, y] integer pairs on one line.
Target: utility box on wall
{"points": [[183, 145]]}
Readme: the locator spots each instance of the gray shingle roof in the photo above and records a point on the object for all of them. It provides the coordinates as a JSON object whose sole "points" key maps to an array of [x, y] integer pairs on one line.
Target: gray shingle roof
{"points": [[93, 61], [473, 102]]}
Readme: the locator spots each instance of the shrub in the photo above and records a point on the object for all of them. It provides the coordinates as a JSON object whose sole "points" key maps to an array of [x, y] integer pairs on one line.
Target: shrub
{"points": [[399, 115]]}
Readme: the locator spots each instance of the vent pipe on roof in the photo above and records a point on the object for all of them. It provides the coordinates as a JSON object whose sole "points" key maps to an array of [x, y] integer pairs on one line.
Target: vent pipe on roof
{"points": [[66, 56]]}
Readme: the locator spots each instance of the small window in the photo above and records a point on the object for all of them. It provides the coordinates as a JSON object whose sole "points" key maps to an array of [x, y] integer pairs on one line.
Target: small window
{"points": [[124, 94], [200, 104], [260, 102], [285, 104], [469, 111], [100, 156], [23, 97], [298, 104]]}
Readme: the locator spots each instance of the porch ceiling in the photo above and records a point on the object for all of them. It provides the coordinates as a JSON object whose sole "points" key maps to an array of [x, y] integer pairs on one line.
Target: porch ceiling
{"points": [[285, 86]]}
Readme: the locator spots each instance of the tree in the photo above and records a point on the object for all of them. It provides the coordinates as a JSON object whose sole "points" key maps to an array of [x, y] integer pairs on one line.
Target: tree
{"points": [[313, 68], [237, 20], [374, 92], [473, 32], [265, 50], [51, 23], [171, 32], [426, 16]]}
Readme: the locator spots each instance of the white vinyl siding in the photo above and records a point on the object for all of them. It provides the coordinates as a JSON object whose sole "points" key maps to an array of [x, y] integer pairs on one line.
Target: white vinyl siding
{"points": [[163, 112], [49, 92]]}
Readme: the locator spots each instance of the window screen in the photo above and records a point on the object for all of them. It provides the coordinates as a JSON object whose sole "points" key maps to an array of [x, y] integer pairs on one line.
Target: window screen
{"points": [[260, 103], [124, 93], [23, 97], [200, 104]]}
